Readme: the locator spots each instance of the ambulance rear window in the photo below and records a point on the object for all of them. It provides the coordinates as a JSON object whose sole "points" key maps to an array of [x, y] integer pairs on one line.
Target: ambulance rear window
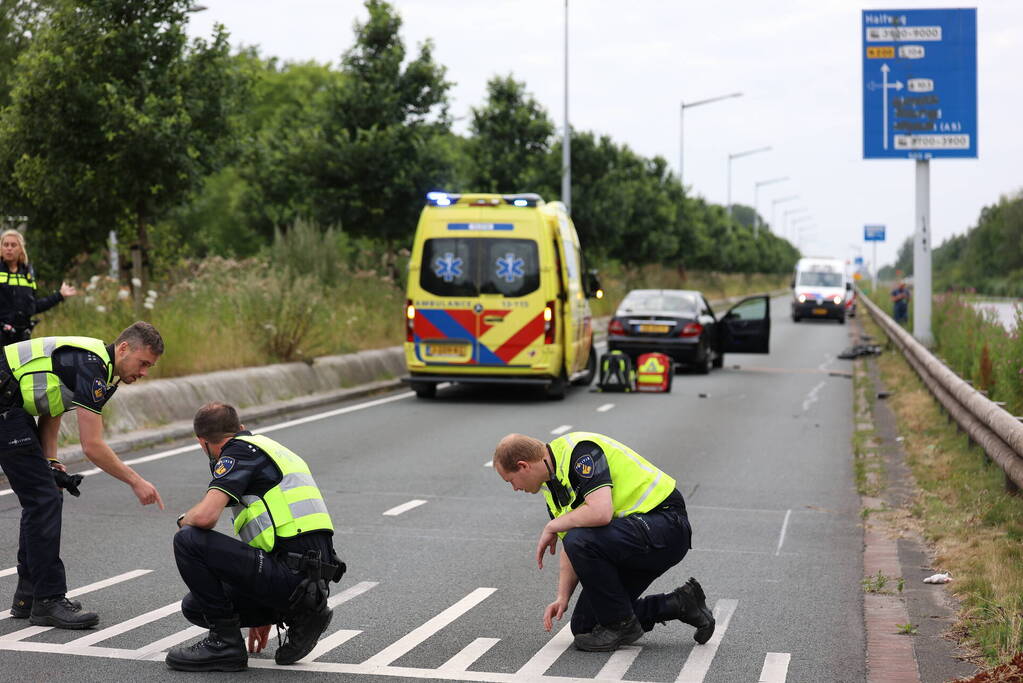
{"points": [[461, 266]]}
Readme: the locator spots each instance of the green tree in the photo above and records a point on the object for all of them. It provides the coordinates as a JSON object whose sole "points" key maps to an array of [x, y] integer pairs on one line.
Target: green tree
{"points": [[511, 135], [115, 118], [19, 20]]}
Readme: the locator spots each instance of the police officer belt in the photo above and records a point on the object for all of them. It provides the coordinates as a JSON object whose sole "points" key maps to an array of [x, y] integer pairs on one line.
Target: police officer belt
{"points": [[300, 563]]}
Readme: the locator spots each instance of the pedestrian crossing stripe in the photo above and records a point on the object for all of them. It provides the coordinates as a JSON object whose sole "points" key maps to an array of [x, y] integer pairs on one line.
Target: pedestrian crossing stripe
{"points": [[694, 670]]}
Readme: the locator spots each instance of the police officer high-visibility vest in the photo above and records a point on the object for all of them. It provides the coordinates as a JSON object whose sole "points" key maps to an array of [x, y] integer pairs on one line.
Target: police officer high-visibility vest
{"points": [[31, 363], [637, 485], [292, 507], [23, 278]]}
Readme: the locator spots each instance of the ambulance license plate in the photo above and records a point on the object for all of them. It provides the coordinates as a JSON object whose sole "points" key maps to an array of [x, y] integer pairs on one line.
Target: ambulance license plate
{"points": [[445, 350], [658, 329], [820, 311]]}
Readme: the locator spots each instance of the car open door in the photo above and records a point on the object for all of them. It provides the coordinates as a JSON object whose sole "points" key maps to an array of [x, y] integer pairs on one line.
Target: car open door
{"points": [[746, 327]]}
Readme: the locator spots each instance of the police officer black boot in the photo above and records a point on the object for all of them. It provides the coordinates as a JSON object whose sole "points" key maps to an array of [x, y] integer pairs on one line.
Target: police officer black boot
{"points": [[60, 613], [223, 649], [688, 604], [607, 638], [304, 630]]}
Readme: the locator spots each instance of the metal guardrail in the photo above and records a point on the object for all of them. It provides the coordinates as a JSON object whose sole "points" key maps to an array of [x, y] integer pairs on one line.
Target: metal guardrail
{"points": [[987, 423]]}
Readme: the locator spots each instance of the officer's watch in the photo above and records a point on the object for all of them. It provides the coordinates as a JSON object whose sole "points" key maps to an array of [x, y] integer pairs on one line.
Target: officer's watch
{"points": [[180, 517]]}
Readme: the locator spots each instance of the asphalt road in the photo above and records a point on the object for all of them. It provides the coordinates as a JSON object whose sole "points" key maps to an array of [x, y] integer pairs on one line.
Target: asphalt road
{"points": [[448, 589]]}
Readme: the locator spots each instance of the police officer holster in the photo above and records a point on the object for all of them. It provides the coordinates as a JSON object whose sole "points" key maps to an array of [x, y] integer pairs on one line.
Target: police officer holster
{"points": [[10, 392], [311, 594]]}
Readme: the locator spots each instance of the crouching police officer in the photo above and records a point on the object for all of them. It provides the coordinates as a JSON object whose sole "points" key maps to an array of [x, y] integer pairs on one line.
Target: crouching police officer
{"points": [[623, 524], [46, 377], [277, 572]]}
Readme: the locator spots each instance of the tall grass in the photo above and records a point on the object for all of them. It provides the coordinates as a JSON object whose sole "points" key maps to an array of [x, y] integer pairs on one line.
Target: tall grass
{"points": [[313, 292]]}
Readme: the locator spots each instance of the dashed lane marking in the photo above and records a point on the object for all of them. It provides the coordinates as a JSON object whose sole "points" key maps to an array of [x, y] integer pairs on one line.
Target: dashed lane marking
{"points": [[776, 667], [557, 431], [781, 536], [811, 398], [606, 407], [404, 507], [8, 571]]}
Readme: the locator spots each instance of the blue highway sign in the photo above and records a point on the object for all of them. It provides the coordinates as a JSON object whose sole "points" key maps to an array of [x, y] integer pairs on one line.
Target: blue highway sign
{"points": [[873, 233], [919, 83]]}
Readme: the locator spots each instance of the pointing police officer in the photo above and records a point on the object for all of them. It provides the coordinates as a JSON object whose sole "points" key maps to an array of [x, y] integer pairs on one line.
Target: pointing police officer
{"points": [[622, 523], [277, 572], [46, 377]]}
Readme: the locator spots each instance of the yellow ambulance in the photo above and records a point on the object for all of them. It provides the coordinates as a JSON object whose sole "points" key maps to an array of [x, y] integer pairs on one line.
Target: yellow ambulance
{"points": [[497, 294]]}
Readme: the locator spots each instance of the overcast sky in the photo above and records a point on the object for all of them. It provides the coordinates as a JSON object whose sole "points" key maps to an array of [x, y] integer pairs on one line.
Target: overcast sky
{"points": [[798, 64]]}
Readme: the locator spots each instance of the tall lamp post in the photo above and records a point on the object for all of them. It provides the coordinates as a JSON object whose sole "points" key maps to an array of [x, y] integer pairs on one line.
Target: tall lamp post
{"points": [[774, 207], [785, 218], [681, 128], [566, 144], [739, 155], [756, 200]]}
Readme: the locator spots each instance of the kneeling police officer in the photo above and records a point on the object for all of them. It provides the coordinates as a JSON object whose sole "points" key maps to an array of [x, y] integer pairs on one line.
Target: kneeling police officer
{"points": [[623, 524], [278, 571]]}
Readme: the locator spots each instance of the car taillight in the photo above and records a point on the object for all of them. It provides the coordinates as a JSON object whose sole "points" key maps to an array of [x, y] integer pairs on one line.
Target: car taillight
{"points": [[615, 327], [549, 327], [410, 320], [691, 330]]}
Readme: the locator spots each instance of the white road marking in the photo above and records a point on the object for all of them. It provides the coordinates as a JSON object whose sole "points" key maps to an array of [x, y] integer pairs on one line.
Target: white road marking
{"points": [[548, 654], [157, 650], [488, 463], [417, 636], [828, 360], [784, 526], [349, 593], [124, 626], [700, 657], [619, 663], [335, 639], [469, 654], [96, 586], [404, 507], [280, 425], [811, 398], [24, 633], [560, 430], [8, 572], [606, 407], [776, 667]]}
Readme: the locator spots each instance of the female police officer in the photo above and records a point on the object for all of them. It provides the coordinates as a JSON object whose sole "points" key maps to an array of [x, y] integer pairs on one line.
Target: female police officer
{"points": [[623, 524], [277, 572], [18, 301]]}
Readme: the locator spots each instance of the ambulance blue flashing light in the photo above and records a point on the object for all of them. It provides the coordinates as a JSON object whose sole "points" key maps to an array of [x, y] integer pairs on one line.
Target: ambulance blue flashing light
{"points": [[441, 198]]}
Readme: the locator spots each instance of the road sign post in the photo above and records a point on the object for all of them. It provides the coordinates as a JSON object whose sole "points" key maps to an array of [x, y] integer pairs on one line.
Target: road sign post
{"points": [[875, 234], [920, 102]]}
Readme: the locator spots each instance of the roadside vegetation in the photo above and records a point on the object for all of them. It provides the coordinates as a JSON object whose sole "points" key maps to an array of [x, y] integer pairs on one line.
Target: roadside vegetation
{"points": [[961, 508]]}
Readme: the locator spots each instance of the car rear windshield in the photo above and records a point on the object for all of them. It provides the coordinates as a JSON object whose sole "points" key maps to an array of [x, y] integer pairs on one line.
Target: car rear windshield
{"points": [[817, 278], [660, 301], [463, 266]]}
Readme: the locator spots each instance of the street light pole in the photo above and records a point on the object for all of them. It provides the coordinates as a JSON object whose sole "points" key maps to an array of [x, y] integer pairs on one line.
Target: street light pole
{"points": [[681, 128], [756, 201], [785, 218], [566, 144], [739, 155], [774, 207]]}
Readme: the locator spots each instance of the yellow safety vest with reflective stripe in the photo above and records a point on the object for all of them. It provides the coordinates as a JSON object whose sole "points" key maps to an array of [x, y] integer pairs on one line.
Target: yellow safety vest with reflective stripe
{"points": [[636, 485], [31, 363], [22, 278], [292, 507]]}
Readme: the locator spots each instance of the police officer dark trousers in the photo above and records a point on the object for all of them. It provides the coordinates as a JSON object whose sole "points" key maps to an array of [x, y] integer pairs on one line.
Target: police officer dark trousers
{"points": [[623, 524], [44, 378], [277, 573]]}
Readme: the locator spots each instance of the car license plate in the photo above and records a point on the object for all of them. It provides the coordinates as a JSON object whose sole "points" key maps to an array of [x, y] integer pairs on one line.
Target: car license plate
{"points": [[654, 328], [820, 311], [445, 350]]}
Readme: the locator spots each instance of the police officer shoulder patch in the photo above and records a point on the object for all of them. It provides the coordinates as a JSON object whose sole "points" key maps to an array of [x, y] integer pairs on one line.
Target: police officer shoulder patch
{"points": [[99, 389], [223, 466], [584, 467]]}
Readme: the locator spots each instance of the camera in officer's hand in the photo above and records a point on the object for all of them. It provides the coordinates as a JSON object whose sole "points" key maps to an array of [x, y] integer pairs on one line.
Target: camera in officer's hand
{"points": [[68, 482]]}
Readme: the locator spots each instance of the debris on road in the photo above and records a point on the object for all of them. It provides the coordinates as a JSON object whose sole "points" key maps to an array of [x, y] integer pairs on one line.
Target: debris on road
{"points": [[942, 577]]}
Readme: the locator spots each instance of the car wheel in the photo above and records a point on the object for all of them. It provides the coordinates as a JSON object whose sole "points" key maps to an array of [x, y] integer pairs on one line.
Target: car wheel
{"points": [[795, 318], [424, 389], [706, 362], [671, 378], [591, 370], [841, 321], [556, 390], [719, 360]]}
